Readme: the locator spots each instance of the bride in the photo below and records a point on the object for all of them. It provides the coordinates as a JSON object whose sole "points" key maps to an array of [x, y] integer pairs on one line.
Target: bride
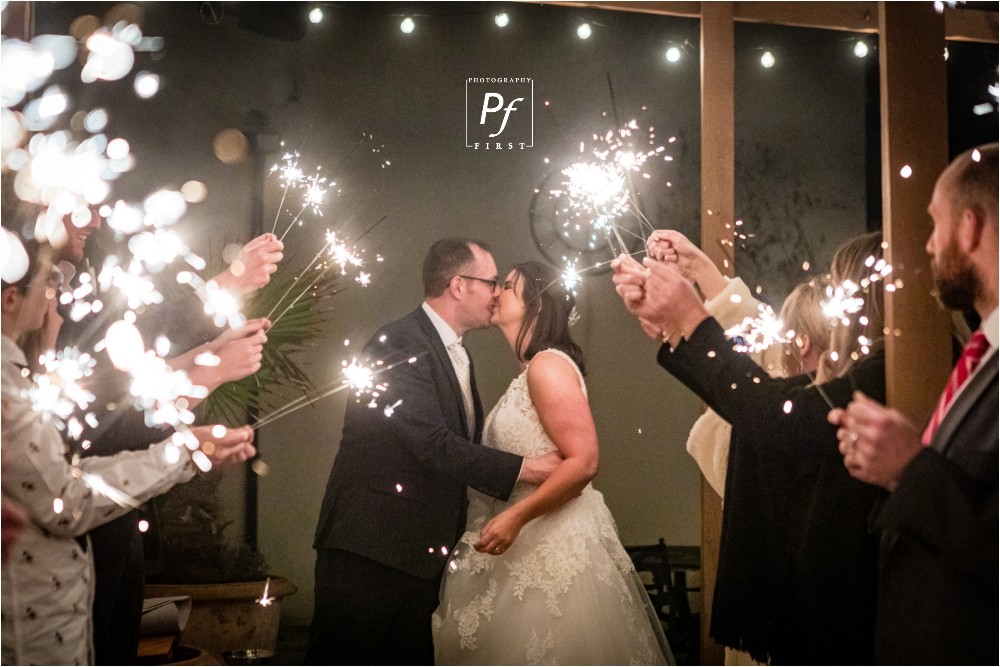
{"points": [[543, 577]]}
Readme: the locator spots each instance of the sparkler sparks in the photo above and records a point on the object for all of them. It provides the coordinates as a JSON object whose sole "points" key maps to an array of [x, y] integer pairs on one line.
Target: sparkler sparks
{"points": [[597, 192], [756, 334], [314, 189], [221, 305], [571, 277], [57, 393], [161, 392]]}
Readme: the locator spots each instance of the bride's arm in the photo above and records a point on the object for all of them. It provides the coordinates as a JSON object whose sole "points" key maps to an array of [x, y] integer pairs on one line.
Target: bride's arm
{"points": [[564, 412]]}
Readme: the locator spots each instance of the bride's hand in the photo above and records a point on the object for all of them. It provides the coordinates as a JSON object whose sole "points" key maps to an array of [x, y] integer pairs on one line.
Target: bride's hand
{"points": [[497, 535]]}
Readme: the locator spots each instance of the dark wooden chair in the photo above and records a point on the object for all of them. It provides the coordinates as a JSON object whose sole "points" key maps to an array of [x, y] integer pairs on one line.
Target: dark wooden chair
{"points": [[669, 599]]}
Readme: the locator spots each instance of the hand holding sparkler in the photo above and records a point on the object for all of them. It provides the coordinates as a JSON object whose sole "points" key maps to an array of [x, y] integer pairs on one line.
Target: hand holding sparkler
{"points": [[252, 269], [877, 443], [233, 355], [657, 293], [223, 446], [670, 246]]}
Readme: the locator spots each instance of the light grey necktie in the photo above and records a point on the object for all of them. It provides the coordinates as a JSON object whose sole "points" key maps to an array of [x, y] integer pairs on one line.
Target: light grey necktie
{"points": [[460, 359]]}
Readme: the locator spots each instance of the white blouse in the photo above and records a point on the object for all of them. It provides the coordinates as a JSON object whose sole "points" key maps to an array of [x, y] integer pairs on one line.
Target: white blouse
{"points": [[48, 582]]}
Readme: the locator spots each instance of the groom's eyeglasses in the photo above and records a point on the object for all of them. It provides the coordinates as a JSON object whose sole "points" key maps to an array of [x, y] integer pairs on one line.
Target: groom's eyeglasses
{"points": [[492, 283]]}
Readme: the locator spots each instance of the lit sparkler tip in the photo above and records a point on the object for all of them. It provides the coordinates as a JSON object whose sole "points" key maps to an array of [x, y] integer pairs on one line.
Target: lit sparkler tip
{"points": [[756, 334]]}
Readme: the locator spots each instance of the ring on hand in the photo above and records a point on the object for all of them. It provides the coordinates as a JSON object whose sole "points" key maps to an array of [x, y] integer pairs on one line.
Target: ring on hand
{"points": [[854, 436]]}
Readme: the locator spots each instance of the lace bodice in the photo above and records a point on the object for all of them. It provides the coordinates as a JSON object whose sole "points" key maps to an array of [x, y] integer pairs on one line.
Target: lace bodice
{"points": [[513, 425]]}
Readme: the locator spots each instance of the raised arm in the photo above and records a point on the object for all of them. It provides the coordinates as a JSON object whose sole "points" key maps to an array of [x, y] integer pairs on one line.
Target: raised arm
{"points": [[564, 412]]}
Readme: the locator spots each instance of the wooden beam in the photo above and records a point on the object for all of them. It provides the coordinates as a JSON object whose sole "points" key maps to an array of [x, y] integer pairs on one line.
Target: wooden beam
{"points": [[914, 135], [717, 219], [853, 16], [964, 25]]}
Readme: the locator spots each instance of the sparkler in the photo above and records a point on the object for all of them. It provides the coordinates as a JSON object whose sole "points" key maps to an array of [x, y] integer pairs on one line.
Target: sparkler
{"points": [[756, 334], [57, 393], [265, 600], [314, 189], [844, 299], [161, 392], [355, 376], [340, 255], [597, 191]]}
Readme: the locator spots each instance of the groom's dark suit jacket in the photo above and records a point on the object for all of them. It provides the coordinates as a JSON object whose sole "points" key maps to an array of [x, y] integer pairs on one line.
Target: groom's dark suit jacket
{"points": [[938, 584], [397, 491]]}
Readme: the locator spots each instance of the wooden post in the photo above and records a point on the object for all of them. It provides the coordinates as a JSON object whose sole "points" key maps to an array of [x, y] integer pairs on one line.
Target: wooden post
{"points": [[914, 137], [717, 218]]}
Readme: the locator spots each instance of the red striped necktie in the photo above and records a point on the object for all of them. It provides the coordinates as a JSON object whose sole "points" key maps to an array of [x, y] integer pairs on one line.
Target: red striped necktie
{"points": [[972, 354]]}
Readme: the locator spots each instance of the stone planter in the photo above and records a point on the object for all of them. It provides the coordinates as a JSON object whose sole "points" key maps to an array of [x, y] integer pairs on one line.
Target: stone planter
{"points": [[227, 617]]}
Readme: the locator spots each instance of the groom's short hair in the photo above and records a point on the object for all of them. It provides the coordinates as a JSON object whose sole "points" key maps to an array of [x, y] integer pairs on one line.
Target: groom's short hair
{"points": [[446, 259]]}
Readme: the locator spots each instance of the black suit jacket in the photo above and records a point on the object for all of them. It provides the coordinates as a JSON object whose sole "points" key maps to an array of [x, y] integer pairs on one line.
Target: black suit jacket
{"points": [[397, 491], [796, 581], [938, 585]]}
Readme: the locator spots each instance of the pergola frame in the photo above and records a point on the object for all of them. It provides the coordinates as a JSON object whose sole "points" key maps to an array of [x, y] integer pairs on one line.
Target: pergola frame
{"points": [[914, 132]]}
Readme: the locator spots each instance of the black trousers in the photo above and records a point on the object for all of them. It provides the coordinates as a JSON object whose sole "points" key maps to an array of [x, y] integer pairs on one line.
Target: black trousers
{"points": [[367, 613], [119, 571]]}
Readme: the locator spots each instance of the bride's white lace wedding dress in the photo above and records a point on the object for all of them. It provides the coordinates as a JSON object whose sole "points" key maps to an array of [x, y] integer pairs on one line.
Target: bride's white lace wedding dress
{"points": [[564, 593]]}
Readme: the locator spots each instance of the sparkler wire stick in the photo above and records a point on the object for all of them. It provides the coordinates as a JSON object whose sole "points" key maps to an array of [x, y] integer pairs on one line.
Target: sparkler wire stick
{"points": [[281, 205], [294, 220], [628, 177], [295, 280], [319, 275]]}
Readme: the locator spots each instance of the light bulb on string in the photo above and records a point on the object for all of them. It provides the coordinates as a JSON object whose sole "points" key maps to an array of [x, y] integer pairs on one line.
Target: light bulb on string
{"points": [[584, 31], [861, 48], [502, 19], [767, 60], [316, 15], [673, 54], [407, 25]]}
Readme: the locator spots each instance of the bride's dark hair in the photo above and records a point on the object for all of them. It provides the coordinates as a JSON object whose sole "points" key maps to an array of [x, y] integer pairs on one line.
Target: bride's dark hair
{"points": [[547, 308]]}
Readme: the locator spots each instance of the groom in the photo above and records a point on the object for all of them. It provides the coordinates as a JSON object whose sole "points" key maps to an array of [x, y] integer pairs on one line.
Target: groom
{"points": [[396, 498]]}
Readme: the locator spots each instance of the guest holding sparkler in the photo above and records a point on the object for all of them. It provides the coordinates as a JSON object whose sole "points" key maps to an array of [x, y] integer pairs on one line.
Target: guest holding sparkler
{"points": [[48, 582], [937, 601], [796, 578], [395, 502], [799, 336], [118, 552], [543, 577]]}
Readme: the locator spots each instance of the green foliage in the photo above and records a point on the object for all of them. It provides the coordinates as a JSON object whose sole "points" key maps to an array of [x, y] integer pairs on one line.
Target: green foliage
{"points": [[298, 307]]}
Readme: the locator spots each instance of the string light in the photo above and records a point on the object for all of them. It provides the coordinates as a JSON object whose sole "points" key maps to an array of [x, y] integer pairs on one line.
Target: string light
{"points": [[767, 60], [584, 31], [407, 25], [316, 15], [502, 20], [861, 49], [673, 54]]}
